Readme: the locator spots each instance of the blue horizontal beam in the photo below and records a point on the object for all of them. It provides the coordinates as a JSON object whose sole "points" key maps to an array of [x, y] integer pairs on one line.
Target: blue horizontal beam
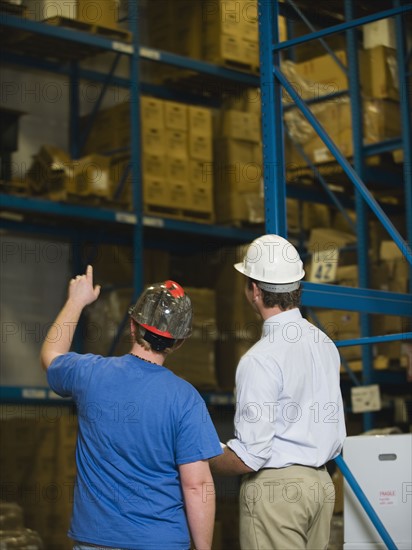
{"points": [[219, 231], [373, 339], [341, 27], [87, 213], [383, 147], [356, 299], [204, 67], [44, 206], [30, 394], [63, 33]]}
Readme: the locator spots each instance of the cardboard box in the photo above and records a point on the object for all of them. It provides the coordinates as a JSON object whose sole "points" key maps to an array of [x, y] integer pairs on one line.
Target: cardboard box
{"points": [[228, 355], [152, 113], [240, 125], [380, 33], [200, 121], [179, 195], [321, 76], [226, 48], [154, 165], [233, 206], [382, 467], [201, 199], [321, 239], [154, 141], [382, 68], [195, 362], [177, 170], [39, 10], [156, 191], [176, 142], [201, 148], [90, 175], [381, 121], [201, 173], [103, 13], [315, 215], [176, 116]]}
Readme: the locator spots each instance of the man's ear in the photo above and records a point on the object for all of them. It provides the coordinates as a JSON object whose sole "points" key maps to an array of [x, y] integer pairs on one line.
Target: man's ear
{"points": [[256, 290], [132, 327]]}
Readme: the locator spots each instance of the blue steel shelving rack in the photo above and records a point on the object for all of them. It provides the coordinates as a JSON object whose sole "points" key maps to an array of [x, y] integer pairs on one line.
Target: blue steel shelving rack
{"points": [[362, 299], [38, 215]]}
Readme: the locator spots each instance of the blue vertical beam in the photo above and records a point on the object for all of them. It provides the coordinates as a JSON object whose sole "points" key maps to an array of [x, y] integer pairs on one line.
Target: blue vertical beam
{"points": [[135, 152], [360, 206], [272, 121], [74, 110], [406, 109]]}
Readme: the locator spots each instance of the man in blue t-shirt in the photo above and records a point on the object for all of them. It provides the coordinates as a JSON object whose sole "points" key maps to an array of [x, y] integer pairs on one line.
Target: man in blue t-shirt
{"points": [[145, 436]]}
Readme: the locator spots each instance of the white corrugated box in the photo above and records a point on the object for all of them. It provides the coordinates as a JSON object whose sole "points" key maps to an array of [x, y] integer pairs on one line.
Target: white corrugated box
{"points": [[382, 466]]}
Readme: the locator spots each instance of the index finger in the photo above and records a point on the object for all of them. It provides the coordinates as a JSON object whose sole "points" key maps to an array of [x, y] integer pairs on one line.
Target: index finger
{"points": [[89, 273]]}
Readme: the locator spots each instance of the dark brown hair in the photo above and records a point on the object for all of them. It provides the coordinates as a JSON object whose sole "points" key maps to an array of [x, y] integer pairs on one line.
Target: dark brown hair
{"points": [[283, 300]]}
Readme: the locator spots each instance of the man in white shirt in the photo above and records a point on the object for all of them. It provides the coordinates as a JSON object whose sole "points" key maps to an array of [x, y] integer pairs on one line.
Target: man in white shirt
{"points": [[289, 419]]}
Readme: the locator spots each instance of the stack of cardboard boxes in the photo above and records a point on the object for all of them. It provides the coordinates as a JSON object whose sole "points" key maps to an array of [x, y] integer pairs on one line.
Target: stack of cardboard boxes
{"points": [[238, 165], [177, 158], [223, 32], [322, 76], [38, 468], [102, 13]]}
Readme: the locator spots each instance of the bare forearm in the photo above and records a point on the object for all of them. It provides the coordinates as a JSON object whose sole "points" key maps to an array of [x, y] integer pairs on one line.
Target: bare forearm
{"points": [[228, 464], [200, 511], [60, 335]]}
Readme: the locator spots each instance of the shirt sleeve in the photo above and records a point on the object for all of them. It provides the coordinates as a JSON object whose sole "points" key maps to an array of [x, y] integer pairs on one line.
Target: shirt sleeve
{"points": [[196, 438], [257, 389], [65, 372]]}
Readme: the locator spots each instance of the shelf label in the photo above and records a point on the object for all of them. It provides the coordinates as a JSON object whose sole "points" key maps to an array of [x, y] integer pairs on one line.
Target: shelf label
{"points": [[150, 54], [324, 265], [125, 217], [153, 222], [366, 398], [33, 393], [122, 47]]}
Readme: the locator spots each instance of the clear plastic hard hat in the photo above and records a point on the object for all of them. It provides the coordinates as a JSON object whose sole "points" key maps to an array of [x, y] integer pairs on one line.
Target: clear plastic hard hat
{"points": [[274, 260], [165, 309]]}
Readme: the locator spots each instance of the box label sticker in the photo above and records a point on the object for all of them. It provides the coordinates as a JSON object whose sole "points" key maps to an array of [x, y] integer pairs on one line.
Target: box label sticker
{"points": [[388, 498]]}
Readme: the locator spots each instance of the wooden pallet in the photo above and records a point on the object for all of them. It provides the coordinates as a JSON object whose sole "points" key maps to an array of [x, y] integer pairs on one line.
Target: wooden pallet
{"points": [[178, 213], [238, 66], [14, 187], [106, 32]]}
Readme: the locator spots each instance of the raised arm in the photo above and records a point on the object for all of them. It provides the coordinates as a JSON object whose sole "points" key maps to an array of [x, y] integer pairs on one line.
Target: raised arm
{"points": [[60, 335], [200, 501]]}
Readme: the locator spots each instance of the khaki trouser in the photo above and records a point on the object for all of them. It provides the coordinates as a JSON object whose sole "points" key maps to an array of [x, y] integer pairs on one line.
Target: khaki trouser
{"points": [[286, 509]]}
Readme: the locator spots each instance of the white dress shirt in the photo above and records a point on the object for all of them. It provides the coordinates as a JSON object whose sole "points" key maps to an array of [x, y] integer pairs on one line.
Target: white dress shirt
{"points": [[289, 406]]}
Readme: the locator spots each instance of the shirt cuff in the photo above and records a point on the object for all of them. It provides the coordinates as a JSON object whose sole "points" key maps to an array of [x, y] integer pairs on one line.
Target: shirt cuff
{"points": [[239, 449]]}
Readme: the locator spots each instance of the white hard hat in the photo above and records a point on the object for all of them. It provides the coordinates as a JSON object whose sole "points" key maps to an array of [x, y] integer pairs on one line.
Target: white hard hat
{"points": [[274, 262], [165, 310]]}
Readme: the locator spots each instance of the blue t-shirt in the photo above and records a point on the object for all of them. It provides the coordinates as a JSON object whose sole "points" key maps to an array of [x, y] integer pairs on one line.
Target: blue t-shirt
{"points": [[137, 422]]}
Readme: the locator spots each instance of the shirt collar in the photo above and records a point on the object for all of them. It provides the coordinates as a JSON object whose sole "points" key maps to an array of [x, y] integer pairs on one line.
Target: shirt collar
{"points": [[289, 316]]}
